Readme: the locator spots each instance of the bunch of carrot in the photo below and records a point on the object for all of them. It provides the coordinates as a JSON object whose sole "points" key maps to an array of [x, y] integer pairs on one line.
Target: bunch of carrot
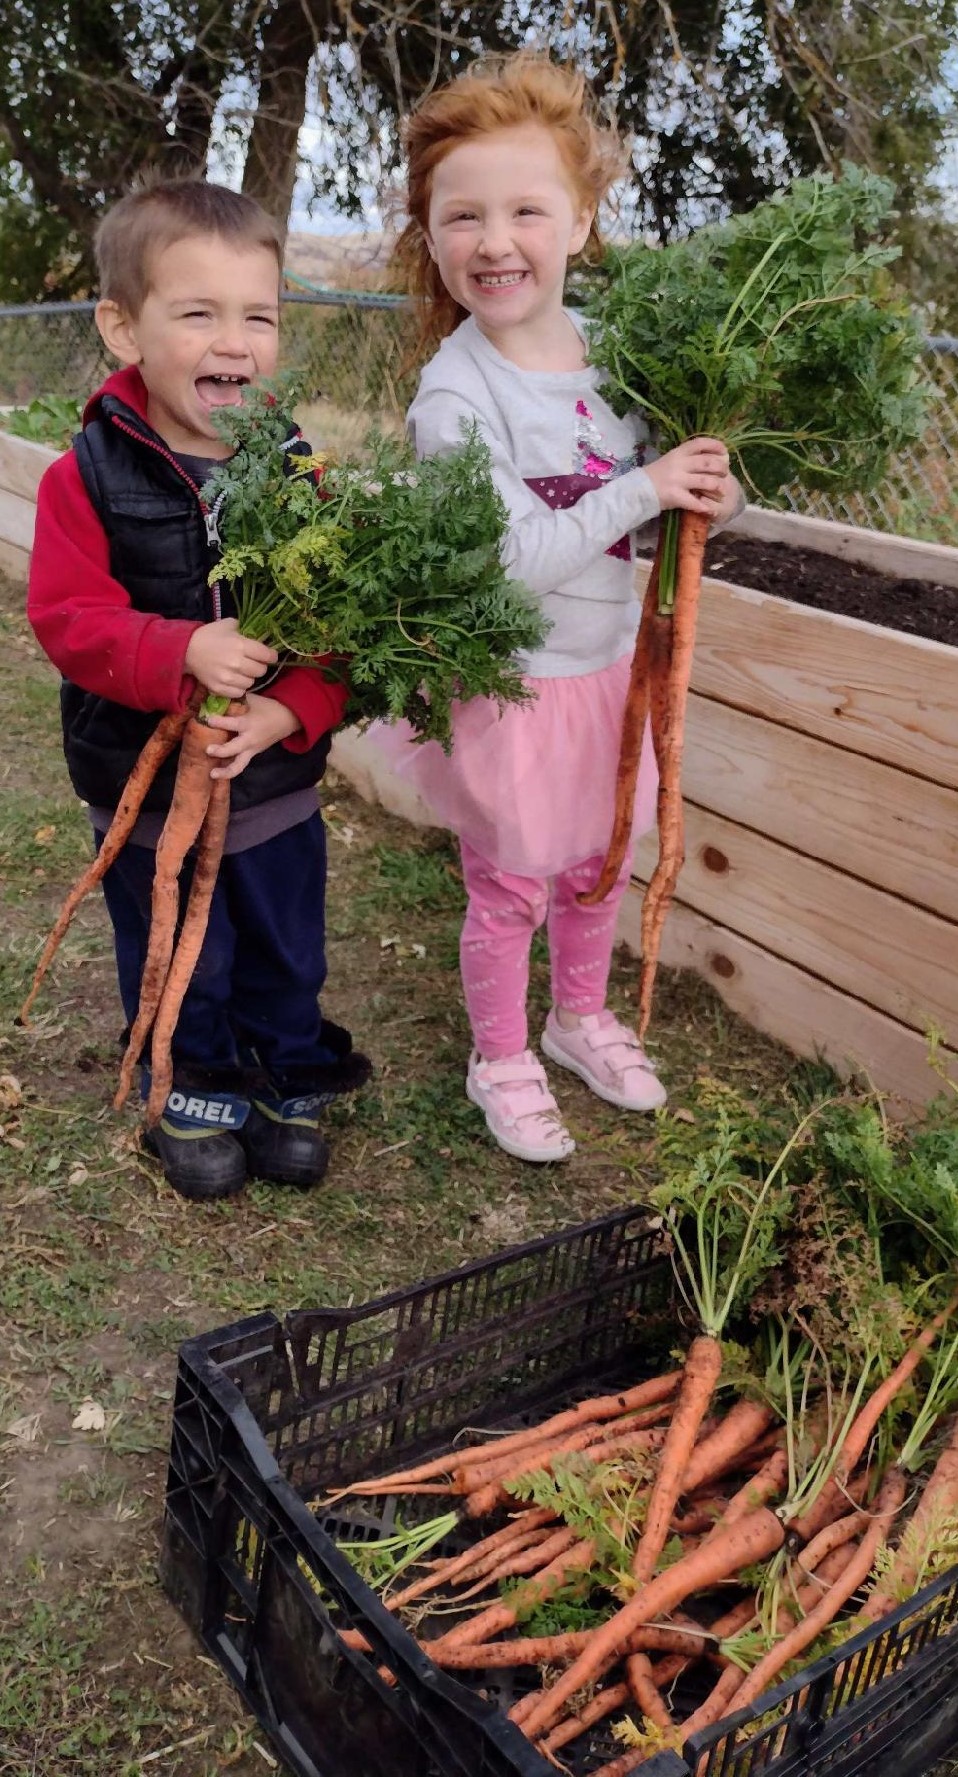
{"points": [[779, 333], [198, 816], [722, 1519], [724, 1509]]}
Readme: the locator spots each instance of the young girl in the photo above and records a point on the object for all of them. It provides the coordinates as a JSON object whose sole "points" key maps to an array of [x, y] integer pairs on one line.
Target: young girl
{"points": [[507, 166]]}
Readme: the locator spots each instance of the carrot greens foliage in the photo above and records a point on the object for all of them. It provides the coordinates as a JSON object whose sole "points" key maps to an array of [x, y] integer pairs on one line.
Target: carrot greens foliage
{"points": [[778, 331], [390, 565]]}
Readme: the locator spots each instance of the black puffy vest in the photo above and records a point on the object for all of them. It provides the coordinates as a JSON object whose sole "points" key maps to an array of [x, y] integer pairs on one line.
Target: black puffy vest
{"points": [[156, 528]]}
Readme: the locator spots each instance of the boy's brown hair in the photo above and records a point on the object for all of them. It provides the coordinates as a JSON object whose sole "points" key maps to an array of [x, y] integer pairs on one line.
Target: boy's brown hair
{"points": [[496, 93], [156, 215]]}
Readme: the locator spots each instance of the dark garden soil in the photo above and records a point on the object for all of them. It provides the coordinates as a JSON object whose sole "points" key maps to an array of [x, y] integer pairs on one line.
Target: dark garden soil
{"points": [[918, 607]]}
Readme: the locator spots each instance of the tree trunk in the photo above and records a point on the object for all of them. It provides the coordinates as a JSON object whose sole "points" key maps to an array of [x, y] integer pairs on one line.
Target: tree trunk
{"points": [[290, 36]]}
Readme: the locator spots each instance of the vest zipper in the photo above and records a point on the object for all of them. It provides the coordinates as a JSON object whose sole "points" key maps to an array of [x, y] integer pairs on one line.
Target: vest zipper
{"points": [[209, 513]]}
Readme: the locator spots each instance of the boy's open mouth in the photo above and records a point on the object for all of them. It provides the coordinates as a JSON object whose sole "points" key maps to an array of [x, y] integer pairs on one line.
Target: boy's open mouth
{"points": [[221, 390]]}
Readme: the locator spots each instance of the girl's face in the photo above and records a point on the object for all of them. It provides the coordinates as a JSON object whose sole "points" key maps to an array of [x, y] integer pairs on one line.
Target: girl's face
{"points": [[503, 222]]}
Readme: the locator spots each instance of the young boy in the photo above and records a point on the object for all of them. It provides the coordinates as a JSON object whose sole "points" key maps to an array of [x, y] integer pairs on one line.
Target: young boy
{"points": [[119, 599]]}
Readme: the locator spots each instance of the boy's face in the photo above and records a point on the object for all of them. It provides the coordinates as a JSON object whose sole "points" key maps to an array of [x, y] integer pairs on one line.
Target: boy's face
{"points": [[208, 326]]}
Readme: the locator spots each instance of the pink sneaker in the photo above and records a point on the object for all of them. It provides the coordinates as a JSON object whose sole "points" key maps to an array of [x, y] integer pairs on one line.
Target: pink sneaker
{"points": [[608, 1057], [518, 1106]]}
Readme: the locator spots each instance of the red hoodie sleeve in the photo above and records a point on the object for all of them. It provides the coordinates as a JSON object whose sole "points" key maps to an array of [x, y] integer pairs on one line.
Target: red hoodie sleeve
{"points": [[318, 702], [83, 618]]}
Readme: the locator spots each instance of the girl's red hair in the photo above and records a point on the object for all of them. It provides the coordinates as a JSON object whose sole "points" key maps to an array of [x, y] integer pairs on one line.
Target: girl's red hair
{"points": [[497, 93]]}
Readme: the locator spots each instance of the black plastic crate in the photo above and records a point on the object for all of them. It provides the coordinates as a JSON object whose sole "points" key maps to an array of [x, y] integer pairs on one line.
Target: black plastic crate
{"points": [[268, 1416], [884, 1704]]}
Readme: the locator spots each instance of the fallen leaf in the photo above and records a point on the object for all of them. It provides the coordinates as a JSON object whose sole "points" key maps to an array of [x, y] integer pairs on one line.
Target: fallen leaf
{"points": [[44, 835], [78, 1176], [23, 1431], [90, 1416], [11, 1092], [417, 949], [683, 1116], [389, 943]]}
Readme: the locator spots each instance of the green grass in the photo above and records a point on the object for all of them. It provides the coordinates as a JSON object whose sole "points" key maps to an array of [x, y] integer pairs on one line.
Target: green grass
{"points": [[104, 1271]]}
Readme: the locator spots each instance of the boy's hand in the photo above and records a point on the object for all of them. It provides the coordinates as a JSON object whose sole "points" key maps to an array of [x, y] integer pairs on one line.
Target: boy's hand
{"points": [[262, 724], [695, 476], [223, 661]]}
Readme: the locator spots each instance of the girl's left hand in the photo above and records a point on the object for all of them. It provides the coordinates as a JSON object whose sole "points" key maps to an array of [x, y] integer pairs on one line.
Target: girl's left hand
{"points": [[261, 725]]}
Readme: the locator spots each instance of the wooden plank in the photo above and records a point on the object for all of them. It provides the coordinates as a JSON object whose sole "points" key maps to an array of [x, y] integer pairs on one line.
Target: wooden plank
{"points": [[14, 562], [17, 520], [898, 958], [22, 463], [870, 690], [367, 769], [905, 556], [884, 826], [808, 1015]]}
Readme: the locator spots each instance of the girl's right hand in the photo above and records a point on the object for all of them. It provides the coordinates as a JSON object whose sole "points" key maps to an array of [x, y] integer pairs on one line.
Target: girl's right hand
{"points": [[695, 476], [223, 661]]}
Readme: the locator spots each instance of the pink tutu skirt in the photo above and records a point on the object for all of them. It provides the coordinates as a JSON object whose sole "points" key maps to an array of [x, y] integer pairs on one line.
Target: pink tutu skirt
{"points": [[531, 787]]}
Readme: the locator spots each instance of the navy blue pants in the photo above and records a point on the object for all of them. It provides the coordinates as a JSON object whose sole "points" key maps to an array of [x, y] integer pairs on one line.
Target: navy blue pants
{"points": [[255, 990]]}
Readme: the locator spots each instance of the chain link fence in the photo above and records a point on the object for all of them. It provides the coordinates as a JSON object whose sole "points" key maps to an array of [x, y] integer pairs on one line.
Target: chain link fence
{"points": [[353, 350]]}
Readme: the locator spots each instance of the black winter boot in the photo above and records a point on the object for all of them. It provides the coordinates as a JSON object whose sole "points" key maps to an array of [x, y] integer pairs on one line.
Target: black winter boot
{"points": [[197, 1138], [281, 1137]]}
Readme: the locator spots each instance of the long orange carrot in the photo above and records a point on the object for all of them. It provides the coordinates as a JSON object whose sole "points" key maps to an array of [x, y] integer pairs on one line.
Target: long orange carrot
{"points": [[693, 535], [599, 1408], [638, 1668], [597, 1708], [575, 1559], [703, 1366], [938, 1502], [826, 1573], [498, 1466], [745, 1421], [723, 1696], [750, 1540], [513, 1537], [484, 1500], [549, 1650], [512, 1564], [766, 1484], [887, 1505], [668, 1669], [857, 1438], [209, 856], [634, 714], [158, 747], [191, 795]]}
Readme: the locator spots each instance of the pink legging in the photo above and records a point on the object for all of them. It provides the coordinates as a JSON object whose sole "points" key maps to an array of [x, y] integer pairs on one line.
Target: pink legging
{"points": [[502, 915]]}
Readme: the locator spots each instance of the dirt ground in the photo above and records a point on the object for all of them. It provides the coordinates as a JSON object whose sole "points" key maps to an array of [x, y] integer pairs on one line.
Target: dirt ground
{"points": [[103, 1270]]}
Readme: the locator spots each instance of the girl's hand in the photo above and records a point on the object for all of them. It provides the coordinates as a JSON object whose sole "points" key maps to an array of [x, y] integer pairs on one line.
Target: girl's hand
{"points": [[695, 476], [261, 725], [223, 661]]}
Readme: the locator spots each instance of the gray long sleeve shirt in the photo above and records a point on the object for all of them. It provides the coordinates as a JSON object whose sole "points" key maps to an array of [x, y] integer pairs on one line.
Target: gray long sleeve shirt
{"points": [[570, 473]]}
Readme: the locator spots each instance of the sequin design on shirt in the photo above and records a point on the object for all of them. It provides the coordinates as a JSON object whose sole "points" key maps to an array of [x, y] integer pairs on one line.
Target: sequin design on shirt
{"points": [[594, 464]]}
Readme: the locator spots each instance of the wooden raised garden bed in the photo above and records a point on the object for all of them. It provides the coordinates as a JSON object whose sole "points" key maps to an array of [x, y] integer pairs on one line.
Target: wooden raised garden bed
{"points": [[820, 889], [22, 463]]}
